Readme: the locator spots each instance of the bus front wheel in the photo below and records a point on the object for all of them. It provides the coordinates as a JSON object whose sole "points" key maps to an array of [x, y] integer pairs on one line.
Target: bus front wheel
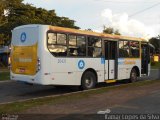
{"points": [[133, 75], [88, 80]]}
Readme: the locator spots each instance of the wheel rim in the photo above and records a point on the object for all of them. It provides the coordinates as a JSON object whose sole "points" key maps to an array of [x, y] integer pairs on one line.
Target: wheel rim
{"points": [[89, 82]]}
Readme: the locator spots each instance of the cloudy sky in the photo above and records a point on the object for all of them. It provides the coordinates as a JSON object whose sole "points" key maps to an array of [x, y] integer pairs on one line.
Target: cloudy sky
{"points": [[140, 18]]}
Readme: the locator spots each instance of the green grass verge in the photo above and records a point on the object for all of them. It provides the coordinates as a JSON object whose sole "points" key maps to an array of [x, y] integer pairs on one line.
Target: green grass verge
{"points": [[4, 76], [155, 65], [21, 106]]}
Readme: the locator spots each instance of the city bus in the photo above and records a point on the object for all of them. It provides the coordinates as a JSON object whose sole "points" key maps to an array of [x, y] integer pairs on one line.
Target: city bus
{"points": [[51, 55]]}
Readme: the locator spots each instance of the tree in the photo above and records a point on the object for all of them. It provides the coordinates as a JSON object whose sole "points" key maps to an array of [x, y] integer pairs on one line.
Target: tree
{"points": [[117, 32], [155, 41], [110, 30], [3, 20], [2, 16], [21, 14]]}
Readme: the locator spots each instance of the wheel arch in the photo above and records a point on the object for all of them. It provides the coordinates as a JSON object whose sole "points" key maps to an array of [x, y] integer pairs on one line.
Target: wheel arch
{"points": [[137, 70], [91, 70]]}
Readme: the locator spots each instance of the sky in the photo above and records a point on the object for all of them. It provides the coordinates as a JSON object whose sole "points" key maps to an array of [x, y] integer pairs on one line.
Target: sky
{"points": [[139, 18]]}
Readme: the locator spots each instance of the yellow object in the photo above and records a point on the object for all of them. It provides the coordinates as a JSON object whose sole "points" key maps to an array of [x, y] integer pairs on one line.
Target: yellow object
{"points": [[24, 59], [156, 58], [110, 81]]}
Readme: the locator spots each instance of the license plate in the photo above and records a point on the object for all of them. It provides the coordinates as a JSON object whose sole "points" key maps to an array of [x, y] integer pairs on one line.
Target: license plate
{"points": [[21, 70]]}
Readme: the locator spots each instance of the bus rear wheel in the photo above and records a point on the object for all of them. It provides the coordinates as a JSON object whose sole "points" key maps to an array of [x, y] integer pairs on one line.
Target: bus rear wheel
{"points": [[133, 75], [88, 80]]}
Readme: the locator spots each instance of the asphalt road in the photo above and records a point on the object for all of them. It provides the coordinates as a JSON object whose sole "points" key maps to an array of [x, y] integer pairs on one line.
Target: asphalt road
{"points": [[12, 91], [154, 75]]}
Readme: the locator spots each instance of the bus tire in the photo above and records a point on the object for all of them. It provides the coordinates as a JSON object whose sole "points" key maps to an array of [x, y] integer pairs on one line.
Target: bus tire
{"points": [[133, 76], [88, 80]]}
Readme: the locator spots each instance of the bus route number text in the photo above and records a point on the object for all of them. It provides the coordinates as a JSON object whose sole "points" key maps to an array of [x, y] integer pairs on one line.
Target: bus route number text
{"points": [[61, 60]]}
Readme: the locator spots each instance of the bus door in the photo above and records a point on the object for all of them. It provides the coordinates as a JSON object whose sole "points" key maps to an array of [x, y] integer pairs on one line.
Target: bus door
{"points": [[145, 58], [110, 60]]}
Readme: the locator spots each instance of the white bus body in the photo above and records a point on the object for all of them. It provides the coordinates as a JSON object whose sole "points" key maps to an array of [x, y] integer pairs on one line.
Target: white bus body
{"points": [[32, 62]]}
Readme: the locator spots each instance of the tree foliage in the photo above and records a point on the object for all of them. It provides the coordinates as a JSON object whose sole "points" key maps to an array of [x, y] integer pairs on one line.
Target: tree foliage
{"points": [[18, 13], [155, 41], [116, 32], [110, 30], [2, 16]]}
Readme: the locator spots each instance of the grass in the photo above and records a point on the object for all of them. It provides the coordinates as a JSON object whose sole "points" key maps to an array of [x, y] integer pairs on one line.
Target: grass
{"points": [[16, 107], [155, 65], [4, 75]]}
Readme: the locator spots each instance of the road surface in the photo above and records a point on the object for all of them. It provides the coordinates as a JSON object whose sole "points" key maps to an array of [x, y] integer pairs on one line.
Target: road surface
{"points": [[13, 91], [125, 103]]}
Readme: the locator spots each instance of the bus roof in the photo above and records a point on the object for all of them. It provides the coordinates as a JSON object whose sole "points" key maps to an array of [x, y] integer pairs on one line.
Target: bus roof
{"points": [[85, 32]]}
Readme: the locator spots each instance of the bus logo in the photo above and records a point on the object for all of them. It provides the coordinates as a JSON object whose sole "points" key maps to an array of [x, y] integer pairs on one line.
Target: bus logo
{"points": [[81, 64], [23, 37]]}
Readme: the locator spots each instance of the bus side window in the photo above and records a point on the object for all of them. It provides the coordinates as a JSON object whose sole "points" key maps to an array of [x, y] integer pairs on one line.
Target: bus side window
{"points": [[124, 49], [81, 44], [94, 47], [72, 45], [134, 47], [52, 38], [57, 44], [77, 45]]}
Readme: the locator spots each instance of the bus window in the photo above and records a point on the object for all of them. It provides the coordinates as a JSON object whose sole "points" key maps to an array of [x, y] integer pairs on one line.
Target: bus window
{"points": [[126, 48], [72, 45], [123, 49], [94, 47], [61, 39], [57, 44], [72, 40], [81, 44], [77, 45], [52, 38], [134, 48]]}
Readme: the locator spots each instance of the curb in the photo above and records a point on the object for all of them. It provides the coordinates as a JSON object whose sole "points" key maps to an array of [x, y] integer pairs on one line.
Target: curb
{"points": [[5, 81]]}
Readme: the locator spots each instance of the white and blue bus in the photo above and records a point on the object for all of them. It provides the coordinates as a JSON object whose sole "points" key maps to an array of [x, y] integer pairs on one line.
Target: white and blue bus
{"points": [[50, 55]]}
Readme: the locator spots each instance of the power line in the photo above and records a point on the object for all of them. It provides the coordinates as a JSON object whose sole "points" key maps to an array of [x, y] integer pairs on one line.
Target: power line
{"points": [[138, 12]]}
